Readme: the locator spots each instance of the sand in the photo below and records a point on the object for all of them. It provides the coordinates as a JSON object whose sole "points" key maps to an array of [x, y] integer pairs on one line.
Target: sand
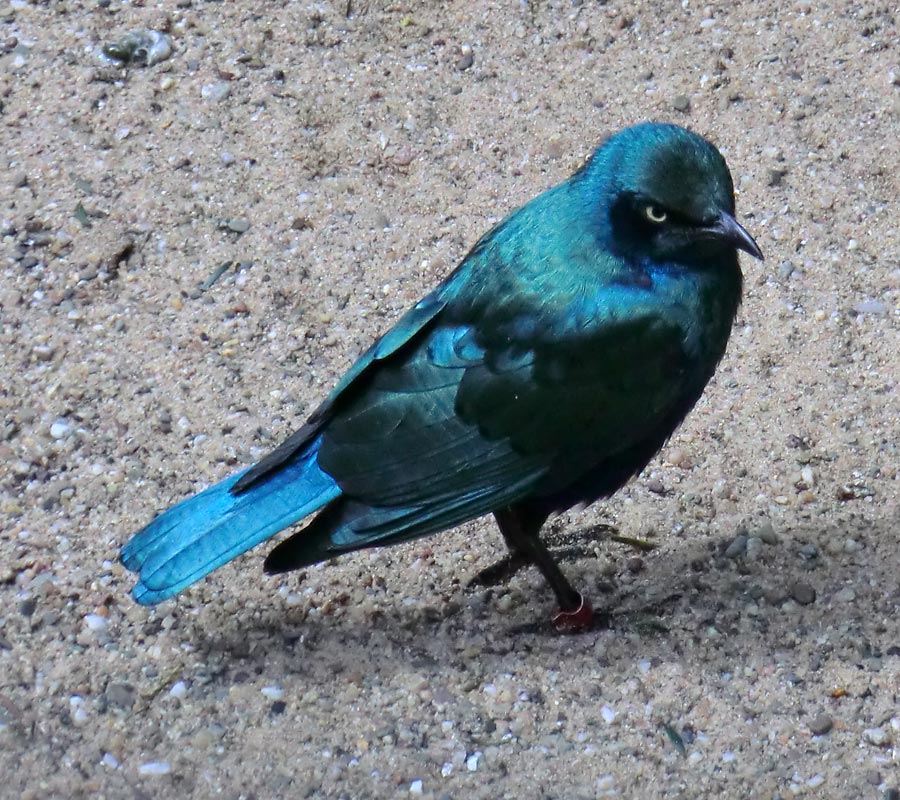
{"points": [[194, 250]]}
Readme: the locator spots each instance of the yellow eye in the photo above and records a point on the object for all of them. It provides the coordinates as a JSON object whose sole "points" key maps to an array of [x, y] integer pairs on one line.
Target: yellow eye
{"points": [[655, 213]]}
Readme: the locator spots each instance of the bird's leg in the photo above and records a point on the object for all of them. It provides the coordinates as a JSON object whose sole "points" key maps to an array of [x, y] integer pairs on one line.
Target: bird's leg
{"points": [[575, 613]]}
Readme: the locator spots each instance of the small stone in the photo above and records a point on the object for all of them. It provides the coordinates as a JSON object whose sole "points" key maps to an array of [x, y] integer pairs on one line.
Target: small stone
{"points": [[785, 270], [238, 224], [466, 59], [272, 692], [121, 695], [803, 593], [809, 551], [852, 546], [754, 548], [767, 533], [635, 564], [681, 103], [737, 546], [415, 787], [154, 768], [27, 606], [845, 595], [95, 622], [179, 690], [776, 176], [877, 736], [820, 724], [678, 458], [875, 307], [215, 92], [60, 429]]}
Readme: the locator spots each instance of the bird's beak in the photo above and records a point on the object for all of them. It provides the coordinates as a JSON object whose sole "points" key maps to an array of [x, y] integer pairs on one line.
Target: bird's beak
{"points": [[727, 229]]}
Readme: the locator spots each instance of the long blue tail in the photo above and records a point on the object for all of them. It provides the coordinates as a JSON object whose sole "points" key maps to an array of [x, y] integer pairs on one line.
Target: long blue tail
{"points": [[204, 532]]}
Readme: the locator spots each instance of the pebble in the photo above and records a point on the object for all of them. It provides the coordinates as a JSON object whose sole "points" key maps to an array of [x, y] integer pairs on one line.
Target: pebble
{"points": [[472, 761], [876, 307], [681, 103], [803, 593], [121, 695], [754, 548], [877, 736], [775, 177], [273, 692], [785, 270], [95, 622], [845, 595], [144, 48], [109, 760], [767, 533], [737, 546], [415, 787], [60, 429], [215, 92], [179, 690], [852, 546], [820, 724], [678, 458], [809, 551], [466, 58], [154, 768], [608, 715], [238, 224]]}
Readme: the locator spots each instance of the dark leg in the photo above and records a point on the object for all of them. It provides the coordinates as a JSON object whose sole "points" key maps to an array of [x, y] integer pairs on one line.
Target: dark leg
{"points": [[521, 535]]}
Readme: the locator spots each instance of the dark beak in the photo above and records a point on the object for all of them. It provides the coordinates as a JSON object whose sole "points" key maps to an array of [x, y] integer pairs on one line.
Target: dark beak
{"points": [[727, 229]]}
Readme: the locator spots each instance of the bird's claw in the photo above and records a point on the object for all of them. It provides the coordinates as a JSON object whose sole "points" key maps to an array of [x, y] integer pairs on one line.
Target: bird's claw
{"points": [[575, 620]]}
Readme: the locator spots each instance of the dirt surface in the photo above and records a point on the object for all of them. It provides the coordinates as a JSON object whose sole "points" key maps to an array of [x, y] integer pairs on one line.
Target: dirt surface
{"points": [[337, 160]]}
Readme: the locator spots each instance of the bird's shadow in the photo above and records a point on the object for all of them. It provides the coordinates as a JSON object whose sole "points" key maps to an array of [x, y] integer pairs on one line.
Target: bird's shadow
{"points": [[678, 591]]}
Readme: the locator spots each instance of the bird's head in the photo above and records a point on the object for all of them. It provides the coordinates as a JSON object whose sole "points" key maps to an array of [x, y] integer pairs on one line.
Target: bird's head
{"points": [[666, 196]]}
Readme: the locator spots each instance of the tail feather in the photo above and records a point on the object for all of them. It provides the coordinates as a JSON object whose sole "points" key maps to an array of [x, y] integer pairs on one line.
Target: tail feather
{"points": [[202, 533]]}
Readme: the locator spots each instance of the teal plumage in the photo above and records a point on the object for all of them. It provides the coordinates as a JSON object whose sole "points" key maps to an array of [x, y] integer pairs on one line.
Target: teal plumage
{"points": [[545, 371]]}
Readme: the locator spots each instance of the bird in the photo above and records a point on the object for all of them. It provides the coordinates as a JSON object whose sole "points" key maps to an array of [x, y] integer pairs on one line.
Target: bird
{"points": [[544, 372]]}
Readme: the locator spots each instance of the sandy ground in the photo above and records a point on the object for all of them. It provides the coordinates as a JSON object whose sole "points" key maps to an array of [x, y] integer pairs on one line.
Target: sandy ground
{"points": [[337, 165]]}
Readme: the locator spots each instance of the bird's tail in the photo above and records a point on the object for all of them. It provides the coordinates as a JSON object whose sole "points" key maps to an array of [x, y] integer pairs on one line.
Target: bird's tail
{"points": [[204, 532]]}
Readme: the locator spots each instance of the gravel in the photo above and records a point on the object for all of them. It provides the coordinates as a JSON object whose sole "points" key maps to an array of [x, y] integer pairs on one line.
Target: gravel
{"points": [[338, 160]]}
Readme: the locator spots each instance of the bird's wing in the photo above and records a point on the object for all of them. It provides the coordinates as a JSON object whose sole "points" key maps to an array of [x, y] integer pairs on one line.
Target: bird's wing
{"points": [[465, 420]]}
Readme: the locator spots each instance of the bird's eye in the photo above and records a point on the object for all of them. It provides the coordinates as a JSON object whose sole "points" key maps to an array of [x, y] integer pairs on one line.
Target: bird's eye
{"points": [[654, 213]]}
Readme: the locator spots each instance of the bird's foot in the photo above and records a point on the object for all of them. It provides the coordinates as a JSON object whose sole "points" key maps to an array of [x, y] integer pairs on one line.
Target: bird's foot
{"points": [[575, 620]]}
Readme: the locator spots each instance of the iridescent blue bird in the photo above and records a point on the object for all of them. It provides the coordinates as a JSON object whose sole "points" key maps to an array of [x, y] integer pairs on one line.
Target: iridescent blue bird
{"points": [[545, 371]]}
